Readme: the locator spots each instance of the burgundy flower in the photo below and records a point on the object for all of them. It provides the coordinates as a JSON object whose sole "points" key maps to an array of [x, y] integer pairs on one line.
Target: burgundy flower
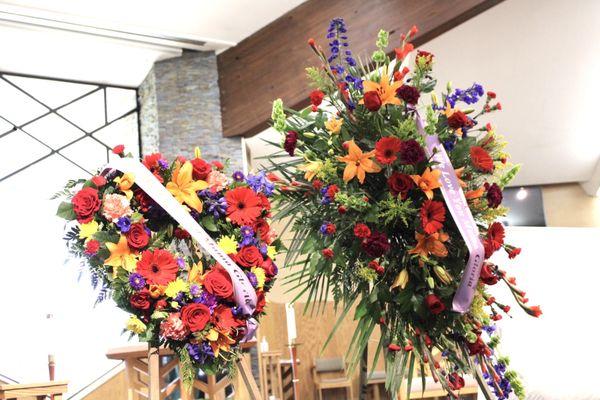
{"points": [[411, 152], [458, 119], [376, 245], [409, 94], [400, 184], [372, 101], [291, 139], [494, 195], [487, 275], [434, 304]]}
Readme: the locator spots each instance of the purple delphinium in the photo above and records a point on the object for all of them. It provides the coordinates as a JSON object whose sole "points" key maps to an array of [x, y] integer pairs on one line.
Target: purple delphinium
{"points": [[200, 353], [207, 299], [337, 33], [247, 236], [137, 281], [124, 224], [238, 176], [468, 96], [260, 183], [252, 279], [263, 249], [180, 263], [163, 164], [214, 203]]}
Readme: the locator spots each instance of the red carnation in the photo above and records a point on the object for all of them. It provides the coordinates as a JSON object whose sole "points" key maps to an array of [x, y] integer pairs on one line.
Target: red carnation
{"points": [[118, 149], [372, 101], [455, 381], [459, 119], [376, 244], [249, 256], [488, 275], [181, 233], [151, 161], [409, 94], [260, 302], [137, 237], [98, 180], [243, 206], [195, 316], [411, 152], [291, 140], [494, 195], [332, 190], [426, 56], [481, 159], [218, 282], [85, 204], [478, 347], [433, 214], [158, 267], [434, 304], [327, 253], [201, 169], [387, 148], [400, 184], [217, 164], [394, 347], [140, 300], [361, 231], [514, 252], [316, 97], [92, 247]]}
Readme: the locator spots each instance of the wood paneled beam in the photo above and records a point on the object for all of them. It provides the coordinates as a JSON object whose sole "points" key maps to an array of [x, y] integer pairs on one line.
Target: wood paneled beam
{"points": [[270, 63]]}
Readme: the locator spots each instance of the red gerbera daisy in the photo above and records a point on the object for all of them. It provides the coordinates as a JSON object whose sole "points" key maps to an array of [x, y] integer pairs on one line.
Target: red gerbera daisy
{"points": [[158, 267], [494, 239], [386, 149], [433, 214], [481, 159], [243, 206]]}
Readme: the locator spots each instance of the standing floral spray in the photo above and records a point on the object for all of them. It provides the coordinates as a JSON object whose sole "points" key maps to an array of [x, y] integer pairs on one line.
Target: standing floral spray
{"points": [[138, 254], [371, 226]]}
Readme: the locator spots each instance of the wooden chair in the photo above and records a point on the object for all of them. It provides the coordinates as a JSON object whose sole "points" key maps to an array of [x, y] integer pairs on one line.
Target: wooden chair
{"points": [[38, 391], [374, 380], [329, 366], [435, 390], [270, 374]]}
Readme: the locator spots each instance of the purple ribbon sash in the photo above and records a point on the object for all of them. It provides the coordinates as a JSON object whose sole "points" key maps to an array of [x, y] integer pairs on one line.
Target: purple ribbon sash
{"points": [[459, 209]]}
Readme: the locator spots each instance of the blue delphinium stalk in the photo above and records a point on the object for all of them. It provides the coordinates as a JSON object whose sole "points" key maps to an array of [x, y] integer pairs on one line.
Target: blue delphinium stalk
{"points": [[200, 353], [337, 33], [137, 281], [260, 183], [468, 96]]}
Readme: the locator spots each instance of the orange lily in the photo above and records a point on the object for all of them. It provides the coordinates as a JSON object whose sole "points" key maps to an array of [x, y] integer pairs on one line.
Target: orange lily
{"points": [[219, 341], [358, 163], [459, 173], [120, 256], [184, 187], [430, 244], [427, 182], [475, 194], [386, 92]]}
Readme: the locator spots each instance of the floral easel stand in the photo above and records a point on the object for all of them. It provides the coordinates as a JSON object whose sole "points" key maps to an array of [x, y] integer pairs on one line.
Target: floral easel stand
{"points": [[146, 361]]}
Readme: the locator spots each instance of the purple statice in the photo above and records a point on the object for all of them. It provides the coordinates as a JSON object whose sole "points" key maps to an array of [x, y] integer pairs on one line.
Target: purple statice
{"points": [[195, 290], [214, 203], [340, 53], [260, 183], [200, 353], [209, 300], [248, 238], [163, 164], [252, 279], [180, 298], [137, 281], [468, 96], [180, 263], [124, 224], [238, 176], [263, 249]]}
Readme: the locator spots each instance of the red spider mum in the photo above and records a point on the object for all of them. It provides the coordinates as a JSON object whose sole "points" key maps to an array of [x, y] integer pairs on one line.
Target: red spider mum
{"points": [[433, 214], [158, 267], [243, 206], [481, 159], [386, 149]]}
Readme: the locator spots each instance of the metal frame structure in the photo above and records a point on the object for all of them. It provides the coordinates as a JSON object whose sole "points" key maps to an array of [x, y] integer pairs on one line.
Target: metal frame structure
{"points": [[54, 110]]}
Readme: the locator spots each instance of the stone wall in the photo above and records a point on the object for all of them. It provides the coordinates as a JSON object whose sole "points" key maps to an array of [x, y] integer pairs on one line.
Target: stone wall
{"points": [[180, 109]]}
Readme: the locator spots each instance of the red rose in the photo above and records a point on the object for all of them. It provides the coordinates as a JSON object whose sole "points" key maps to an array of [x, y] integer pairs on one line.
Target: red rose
{"points": [[487, 275], [316, 97], [161, 304], [455, 381], [218, 282], [195, 316], [137, 237], [201, 169], [262, 227], [327, 253], [92, 247], [434, 304], [85, 204], [458, 119], [400, 184], [372, 101], [118, 149], [260, 302], [361, 231], [140, 300], [330, 229], [224, 319], [98, 180], [249, 256], [181, 233], [270, 268]]}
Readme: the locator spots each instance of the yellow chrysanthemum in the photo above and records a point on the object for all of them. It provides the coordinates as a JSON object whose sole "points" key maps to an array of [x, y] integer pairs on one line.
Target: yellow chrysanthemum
{"points": [[271, 251], [260, 276], [135, 325], [86, 231], [228, 244], [175, 287]]}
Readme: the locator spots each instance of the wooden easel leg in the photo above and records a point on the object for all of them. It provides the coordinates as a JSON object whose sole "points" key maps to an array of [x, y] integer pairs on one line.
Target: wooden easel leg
{"points": [[246, 373], [153, 374]]}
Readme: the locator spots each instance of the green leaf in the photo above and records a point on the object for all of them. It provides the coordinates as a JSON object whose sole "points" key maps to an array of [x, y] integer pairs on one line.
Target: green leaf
{"points": [[209, 223], [65, 211]]}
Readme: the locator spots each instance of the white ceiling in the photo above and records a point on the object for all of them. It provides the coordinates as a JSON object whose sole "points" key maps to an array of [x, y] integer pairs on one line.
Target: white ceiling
{"points": [[221, 24], [543, 60]]}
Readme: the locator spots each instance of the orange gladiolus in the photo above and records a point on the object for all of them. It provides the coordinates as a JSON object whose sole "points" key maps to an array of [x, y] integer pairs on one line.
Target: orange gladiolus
{"points": [[427, 182], [358, 163], [430, 244]]}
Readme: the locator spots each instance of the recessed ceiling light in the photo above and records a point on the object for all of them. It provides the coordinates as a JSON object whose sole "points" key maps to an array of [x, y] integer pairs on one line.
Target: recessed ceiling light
{"points": [[521, 194]]}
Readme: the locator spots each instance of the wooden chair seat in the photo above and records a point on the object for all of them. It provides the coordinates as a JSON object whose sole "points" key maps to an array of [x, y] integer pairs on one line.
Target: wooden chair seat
{"points": [[327, 366], [37, 390]]}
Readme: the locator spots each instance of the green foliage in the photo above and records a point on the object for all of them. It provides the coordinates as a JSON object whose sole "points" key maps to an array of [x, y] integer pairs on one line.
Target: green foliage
{"points": [[509, 176], [65, 211], [394, 209], [278, 115]]}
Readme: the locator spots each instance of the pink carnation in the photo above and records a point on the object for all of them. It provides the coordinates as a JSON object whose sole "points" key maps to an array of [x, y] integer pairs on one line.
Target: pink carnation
{"points": [[217, 181], [174, 328], [115, 206]]}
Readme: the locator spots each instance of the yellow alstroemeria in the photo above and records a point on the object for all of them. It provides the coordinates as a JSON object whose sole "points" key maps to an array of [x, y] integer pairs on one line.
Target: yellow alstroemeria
{"points": [[125, 183], [427, 182], [334, 125], [260, 276], [184, 187], [219, 341], [86, 231], [358, 163], [311, 168], [120, 256], [228, 244], [386, 92], [195, 274]]}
